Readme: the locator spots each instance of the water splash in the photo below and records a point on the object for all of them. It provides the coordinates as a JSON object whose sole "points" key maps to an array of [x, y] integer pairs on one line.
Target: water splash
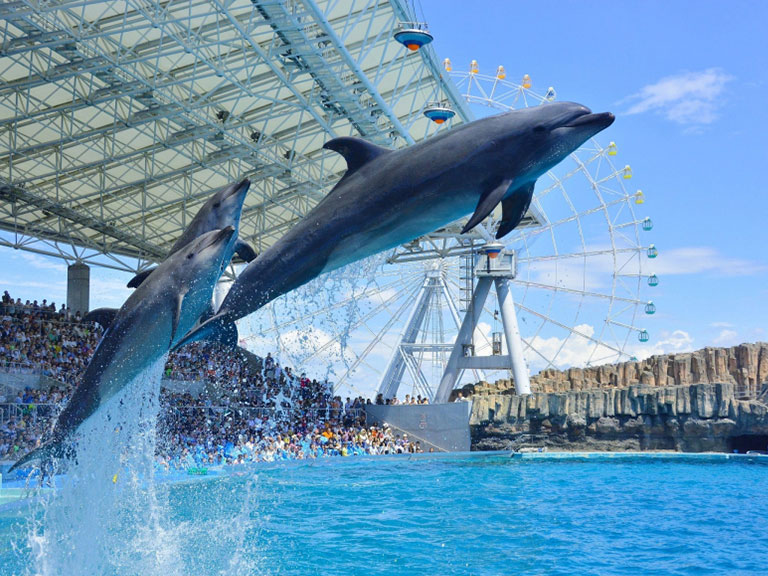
{"points": [[312, 325], [107, 516]]}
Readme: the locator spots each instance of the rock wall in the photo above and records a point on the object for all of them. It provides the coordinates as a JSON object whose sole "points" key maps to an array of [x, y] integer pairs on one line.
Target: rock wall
{"points": [[691, 418], [744, 366]]}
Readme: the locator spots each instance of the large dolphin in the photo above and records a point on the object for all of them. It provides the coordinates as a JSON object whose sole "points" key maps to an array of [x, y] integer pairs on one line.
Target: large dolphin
{"points": [[387, 198], [152, 320], [221, 210]]}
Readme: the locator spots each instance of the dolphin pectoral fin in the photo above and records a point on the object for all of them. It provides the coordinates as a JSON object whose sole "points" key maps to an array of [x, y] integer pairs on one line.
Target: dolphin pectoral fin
{"points": [[488, 201], [177, 315], [102, 316], [245, 251], [139, 278], [356, 152], [513, 208]]}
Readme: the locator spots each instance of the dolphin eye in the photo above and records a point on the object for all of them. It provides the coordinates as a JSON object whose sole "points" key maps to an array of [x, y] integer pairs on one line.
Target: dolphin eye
{"points": [[539, 128], [190, 255], [217, 204]]}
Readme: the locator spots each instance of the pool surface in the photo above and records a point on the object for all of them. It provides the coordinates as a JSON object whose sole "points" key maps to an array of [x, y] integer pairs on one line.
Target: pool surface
{"points": [[423, 515]]}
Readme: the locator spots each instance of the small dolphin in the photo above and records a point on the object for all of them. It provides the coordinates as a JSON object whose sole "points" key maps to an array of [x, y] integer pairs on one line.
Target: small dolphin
{"points": [[387, 198], [152, 320], [221, 210]]}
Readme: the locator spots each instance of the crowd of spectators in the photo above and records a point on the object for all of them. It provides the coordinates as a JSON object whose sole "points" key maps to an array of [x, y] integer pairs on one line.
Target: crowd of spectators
{"points": [[247, 411]]}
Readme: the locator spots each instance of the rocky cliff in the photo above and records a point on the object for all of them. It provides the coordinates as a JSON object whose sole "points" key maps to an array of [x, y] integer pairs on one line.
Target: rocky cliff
{"points": [[711, 399], [700, 417], [744, 366]]}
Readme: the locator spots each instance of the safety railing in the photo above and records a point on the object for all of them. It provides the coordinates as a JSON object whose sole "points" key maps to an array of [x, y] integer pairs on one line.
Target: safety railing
{"points": [[30, 411], [16, 411]]}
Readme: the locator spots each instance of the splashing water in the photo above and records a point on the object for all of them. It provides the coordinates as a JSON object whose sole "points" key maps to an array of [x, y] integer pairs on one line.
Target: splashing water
{"points": [[109, 515], [311, 326]]}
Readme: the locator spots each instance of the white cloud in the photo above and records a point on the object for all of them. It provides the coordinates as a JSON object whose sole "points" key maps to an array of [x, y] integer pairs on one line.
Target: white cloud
{"points": [[699, 259], [667, 343], [726, 338], [108, 292], [42, 262], [689, 98], [580, 351]]}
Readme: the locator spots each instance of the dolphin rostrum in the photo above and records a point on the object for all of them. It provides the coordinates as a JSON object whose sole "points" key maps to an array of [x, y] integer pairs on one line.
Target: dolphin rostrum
{"points": [[387, 198], [221, 210], [153, 319]]}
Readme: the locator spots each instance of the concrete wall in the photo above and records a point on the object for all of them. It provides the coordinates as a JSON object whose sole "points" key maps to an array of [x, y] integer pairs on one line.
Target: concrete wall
{"points": [[78, 288]]}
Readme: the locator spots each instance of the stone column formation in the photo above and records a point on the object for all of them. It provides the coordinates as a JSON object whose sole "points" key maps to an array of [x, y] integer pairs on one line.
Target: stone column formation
{"points": [[744, 366]]}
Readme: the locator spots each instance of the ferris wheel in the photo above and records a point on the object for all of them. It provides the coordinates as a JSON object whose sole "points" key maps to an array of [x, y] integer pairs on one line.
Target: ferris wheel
{"points": [[582, 269]]}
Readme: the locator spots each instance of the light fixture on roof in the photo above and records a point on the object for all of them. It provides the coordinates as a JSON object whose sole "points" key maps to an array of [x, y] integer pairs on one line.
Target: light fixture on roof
{"points": [[413, 35], [439, 111], [222, 115]]}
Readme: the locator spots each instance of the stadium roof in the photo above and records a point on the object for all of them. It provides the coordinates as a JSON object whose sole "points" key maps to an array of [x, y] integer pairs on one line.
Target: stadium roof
{"points": [[118, 119]]}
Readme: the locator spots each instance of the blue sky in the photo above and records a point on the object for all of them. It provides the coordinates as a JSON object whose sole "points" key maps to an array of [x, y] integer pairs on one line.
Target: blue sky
{"points": [[688, 82]]}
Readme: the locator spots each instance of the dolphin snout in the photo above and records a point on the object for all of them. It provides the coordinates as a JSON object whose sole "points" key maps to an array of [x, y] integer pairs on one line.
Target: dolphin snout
{"points": [[218, 237], [225, 233], [602, 119], [239, 188]]}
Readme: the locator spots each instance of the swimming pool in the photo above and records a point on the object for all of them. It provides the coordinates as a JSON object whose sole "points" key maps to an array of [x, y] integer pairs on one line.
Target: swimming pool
{"points": [[444, 514]]}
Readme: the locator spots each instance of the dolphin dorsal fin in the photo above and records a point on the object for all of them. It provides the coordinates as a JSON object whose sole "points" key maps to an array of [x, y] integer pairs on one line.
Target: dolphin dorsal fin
{"points": [[137, 280], [356, 152], [103, 316]]}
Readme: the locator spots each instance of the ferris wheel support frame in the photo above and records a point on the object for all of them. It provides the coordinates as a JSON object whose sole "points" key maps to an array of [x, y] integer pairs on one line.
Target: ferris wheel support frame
{"points": [[497, 269], [433, 288]]}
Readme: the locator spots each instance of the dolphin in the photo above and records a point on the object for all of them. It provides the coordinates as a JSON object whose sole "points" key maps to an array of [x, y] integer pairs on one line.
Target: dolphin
{"points": [[153, 319], [387, 198], [221, 210]]}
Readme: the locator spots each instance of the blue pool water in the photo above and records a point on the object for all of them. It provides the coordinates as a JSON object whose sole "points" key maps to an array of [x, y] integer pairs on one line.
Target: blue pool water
{"points": [[457, 514]]}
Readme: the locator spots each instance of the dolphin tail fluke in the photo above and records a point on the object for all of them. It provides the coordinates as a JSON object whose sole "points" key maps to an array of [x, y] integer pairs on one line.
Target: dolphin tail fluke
{"points": [[139, 278], [218, 328], [245, 251]]}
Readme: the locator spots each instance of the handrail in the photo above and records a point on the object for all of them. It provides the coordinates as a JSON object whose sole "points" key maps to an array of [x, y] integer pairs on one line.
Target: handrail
{"points": [[260, 411]]}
